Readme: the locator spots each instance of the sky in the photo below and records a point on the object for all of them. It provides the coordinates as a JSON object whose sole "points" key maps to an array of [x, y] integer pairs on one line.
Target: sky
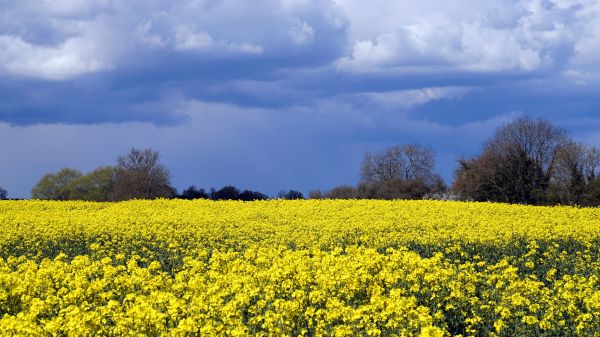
{"points": [[274, 95]]}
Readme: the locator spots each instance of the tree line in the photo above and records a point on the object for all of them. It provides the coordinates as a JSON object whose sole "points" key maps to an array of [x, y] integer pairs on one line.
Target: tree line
{"points": [[526, 161], [138, 174]]}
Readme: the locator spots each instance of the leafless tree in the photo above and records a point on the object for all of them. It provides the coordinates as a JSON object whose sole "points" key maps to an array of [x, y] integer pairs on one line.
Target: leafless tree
{"points": [[403, 162], [577, 167], [139, 175], [538, 139], [399, 172], [3, 194], [516, 165], [316, 194]]}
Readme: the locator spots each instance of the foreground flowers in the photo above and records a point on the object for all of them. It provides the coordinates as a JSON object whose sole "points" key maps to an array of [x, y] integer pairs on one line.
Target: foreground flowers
{"points": [[298, 268]]}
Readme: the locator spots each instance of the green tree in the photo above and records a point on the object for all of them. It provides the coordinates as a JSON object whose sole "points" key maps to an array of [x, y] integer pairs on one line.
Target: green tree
{"points": [[3, 194], [56, 186], [94, 186]]}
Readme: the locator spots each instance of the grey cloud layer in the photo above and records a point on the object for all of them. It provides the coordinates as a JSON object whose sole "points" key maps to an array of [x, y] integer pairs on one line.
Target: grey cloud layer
{"points": [[113, 59], [63, 39]]}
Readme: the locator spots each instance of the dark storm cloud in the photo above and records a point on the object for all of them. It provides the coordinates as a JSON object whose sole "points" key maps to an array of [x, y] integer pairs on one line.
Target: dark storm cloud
{"points": [[110, 58]]}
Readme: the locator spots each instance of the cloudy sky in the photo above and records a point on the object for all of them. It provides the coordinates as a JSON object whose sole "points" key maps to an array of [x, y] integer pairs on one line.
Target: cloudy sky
{"points": [[279, 94]]}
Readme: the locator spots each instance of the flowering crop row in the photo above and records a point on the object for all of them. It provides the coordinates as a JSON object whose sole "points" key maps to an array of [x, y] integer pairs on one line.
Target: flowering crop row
{"points": [[298, 268]]}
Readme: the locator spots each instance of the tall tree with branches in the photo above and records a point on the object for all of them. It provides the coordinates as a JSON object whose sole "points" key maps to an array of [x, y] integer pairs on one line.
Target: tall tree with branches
{"points": [[516, 165], [140, 175], [399, 172]]}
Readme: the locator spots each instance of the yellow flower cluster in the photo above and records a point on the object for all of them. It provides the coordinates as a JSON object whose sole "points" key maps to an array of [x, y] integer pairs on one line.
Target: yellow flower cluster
{"points": [[298, 268]]}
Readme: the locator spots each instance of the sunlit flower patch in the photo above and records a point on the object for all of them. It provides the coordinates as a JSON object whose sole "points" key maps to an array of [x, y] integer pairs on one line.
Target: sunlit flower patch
{"points": [[298, 268]]}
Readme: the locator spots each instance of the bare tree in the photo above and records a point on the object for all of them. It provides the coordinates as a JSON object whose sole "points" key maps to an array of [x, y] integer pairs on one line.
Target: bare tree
{"points": [[399, 172], [315, 194], [403, 162], [538, 139], [516, 165], [3, 194], [577, 167], [139, 175]]}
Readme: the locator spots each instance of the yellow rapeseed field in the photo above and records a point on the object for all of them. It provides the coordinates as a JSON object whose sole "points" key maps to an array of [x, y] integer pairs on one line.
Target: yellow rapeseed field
{"points": [[298, 268]]}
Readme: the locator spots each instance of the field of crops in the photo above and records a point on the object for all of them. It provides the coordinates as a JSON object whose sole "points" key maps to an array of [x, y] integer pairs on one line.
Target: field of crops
{"points": [[298, 268]]}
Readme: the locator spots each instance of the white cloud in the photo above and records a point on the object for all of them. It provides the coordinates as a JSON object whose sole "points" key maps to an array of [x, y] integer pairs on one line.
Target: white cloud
{"points": [[64, 39], [75, 56], [403, 100], [144, 33], [584, 67], [302, 33], [465, 36], [161, 33], [384, 36], [59, 39], [186, 39]]}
